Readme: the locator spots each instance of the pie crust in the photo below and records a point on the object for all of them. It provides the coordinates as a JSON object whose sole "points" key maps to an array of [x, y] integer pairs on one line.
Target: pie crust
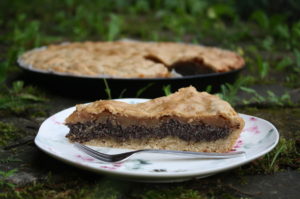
{"points": [[186, 120], [130, 59]]}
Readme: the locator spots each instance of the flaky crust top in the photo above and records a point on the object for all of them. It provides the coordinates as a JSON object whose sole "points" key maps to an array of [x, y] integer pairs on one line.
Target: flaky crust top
{"points": [[127, 59], [186, 104]]}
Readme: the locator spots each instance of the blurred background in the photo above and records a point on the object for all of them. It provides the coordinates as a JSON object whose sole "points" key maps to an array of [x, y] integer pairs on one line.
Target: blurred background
{"points": [[266, 33]]}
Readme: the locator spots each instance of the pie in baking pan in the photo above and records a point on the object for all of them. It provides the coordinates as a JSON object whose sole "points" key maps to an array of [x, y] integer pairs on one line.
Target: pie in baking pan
{"points": [[124, 59]]}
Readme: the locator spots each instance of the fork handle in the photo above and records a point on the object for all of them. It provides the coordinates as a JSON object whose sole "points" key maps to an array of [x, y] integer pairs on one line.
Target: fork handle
{"points": [[198, 154]]}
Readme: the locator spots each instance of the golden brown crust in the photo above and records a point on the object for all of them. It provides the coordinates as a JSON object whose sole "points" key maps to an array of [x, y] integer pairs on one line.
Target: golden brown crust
{"points": [[186, 105], [127, 59]]}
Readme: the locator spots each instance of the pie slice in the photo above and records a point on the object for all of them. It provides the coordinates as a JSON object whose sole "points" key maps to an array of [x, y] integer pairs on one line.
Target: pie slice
{"points": [[186, 120]]}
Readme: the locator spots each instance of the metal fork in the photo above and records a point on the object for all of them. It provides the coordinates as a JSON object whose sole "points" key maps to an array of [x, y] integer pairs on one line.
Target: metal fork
{"points": [[123, 156]]}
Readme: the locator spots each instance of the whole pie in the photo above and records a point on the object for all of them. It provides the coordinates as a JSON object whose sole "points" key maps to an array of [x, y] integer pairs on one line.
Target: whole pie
{"points": [[186, 120], [124, 59]]}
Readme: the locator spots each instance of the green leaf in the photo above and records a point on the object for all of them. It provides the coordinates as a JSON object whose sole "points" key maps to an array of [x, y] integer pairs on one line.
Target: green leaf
{"points": [[3, 68], [296, 30], [208, 88], [197, 7], [27, 96], [114, 27], [167, 90], [263, 67], [9, 173], [276, 155], [223, 10], [122, 93], [17, 86], [267, 43], [107, 89], [248, 90], [261, 19], [285, 62], [4, 102], [142, 6], [286, 99], [211, 13], [142, 90], [297, 58], [282, 30]]}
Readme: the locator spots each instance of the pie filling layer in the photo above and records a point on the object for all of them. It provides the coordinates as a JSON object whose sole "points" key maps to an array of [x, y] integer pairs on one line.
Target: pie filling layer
{"points": [[84, 132], [185, 68]]}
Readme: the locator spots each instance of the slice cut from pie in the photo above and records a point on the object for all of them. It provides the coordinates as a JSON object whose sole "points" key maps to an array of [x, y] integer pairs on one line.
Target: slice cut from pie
{"points": [[186, 120]]}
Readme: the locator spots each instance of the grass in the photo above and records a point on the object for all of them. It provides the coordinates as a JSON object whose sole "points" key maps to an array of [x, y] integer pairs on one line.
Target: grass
{"points": [[45, 190], [271, 99], [20, 99], [167, 90], [177, 19], [107, 89], [159, 20], [3, 177], [177, 192], [105, 188], [7, 131], [142, 90], [284, 157]]}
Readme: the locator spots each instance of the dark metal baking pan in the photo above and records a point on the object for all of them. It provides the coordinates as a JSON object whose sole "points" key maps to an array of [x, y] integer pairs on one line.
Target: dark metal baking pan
{"points": [[94, 87]]}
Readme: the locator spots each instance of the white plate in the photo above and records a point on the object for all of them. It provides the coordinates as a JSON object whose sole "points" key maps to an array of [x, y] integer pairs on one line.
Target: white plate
{"points": [[258, 138]]}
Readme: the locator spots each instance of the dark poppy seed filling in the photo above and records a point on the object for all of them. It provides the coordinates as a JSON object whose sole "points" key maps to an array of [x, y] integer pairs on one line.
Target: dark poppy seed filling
{"points": [[84, 132]]}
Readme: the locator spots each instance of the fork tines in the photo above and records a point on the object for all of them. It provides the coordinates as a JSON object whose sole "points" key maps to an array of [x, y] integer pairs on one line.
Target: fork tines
{"points": [[95, 154]]}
